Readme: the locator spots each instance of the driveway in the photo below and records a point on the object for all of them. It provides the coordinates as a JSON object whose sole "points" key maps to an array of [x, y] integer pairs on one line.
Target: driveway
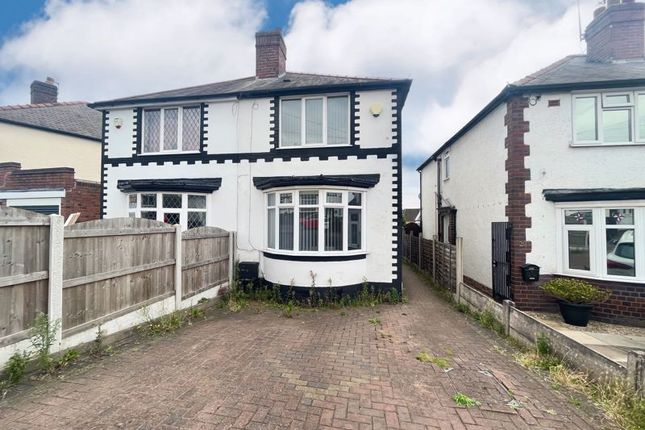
{"points": [[320, 369]]}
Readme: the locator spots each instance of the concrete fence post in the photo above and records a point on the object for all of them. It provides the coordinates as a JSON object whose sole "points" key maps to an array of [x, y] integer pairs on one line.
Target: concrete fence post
{"points": [[636, 371], [459, 267], [178, 267], [55, 287], [507, 305], [231, 258]]}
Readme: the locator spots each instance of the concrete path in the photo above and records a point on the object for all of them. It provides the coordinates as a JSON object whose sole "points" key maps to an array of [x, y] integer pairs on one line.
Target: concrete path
{"points": [[321, 369], [612, 345]]}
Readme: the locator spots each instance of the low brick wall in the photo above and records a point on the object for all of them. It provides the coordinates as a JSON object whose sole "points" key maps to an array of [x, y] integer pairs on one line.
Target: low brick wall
{"points": [[527, 329], [626, 305]]}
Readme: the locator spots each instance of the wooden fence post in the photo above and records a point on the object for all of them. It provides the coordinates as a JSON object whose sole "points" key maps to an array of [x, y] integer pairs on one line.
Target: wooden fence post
{"points": [[420, 265], [459, 267], [178, 264], [55, 288], [231, 258], [434, 258]]}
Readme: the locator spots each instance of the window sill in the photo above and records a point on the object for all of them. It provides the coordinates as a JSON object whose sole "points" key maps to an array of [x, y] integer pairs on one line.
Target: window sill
{"points": [[346, 256], [624, 280], [143, 154], [311, 146], [600, 144]]}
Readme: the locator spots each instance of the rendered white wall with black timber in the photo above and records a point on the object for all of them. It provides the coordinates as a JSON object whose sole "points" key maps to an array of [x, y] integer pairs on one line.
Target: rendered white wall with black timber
{"points": [[476, 188], [242, 127]]}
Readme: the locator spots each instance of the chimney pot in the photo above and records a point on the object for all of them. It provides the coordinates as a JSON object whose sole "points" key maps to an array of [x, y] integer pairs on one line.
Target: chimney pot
{"points": [[617, 32], [44, 92], [270, 54]]}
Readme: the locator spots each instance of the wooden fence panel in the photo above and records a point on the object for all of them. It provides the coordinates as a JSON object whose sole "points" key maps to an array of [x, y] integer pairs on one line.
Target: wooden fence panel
{"points": [[114, 265], [205, 259], [24, 263], [436, 258]]}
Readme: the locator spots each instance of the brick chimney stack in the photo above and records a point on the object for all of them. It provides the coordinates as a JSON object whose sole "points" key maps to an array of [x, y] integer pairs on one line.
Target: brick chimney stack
{"points": [[617, 32], [44, 92], [270, 54]]}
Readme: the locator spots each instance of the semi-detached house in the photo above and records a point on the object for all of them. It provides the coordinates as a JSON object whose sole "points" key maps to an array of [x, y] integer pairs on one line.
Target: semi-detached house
{"points": [[552, 173], [305, 168]]}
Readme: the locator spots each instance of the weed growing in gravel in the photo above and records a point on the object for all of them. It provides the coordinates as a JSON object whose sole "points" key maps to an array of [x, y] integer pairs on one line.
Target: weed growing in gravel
{"points": [[374, 321], [463, 400]]}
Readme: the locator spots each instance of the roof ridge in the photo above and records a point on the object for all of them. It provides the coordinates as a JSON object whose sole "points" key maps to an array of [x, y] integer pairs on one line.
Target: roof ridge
{"points": [[340, 76], [40, 105], [540, 72]]}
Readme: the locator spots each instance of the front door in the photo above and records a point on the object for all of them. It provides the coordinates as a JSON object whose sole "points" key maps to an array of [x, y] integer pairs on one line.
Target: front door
{"points": [[501, 252]]}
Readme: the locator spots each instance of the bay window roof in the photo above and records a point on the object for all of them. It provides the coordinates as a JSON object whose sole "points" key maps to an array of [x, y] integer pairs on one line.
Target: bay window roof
{"points": [[194, 185], [358, 181]]}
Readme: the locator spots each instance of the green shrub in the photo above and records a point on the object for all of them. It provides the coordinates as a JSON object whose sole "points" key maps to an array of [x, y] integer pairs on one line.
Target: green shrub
{"points": [[16, 367], [42, 335], [575, 291]]}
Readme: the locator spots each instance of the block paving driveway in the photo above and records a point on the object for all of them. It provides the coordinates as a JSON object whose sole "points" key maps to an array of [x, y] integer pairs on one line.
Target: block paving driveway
{"points": [[321, 369]]}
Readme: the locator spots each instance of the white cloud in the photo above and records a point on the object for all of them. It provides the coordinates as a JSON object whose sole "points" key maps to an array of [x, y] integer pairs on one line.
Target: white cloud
{"points": [[460, 53], [109, 48]]}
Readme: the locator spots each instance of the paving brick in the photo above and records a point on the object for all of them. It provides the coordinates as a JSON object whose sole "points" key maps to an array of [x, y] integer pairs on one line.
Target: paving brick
{"points": [[258, 370]]}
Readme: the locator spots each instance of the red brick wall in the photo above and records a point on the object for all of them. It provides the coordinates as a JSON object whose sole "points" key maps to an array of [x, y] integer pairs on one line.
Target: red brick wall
{"points": [[626, 304], [270, 54], [518, 198], [80, 196], [618, 33]]}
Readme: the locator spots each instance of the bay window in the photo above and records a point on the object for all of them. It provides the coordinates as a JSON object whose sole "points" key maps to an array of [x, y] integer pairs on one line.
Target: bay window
{"points": [[609, 118], [604, 241], [172, 129], [315, 221], [315, 120], [188, 210]]}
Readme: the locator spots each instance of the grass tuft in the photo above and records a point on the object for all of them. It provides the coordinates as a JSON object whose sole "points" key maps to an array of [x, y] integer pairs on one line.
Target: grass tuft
{"points": [[463, 400], [425, 357]]}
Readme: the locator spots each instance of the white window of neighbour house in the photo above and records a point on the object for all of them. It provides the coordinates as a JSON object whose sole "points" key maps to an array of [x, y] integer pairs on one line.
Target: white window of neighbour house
{"points": [[187, 210], [609, 118], [604, 241], [171, 129], [446, 166], [315, 221], [314, 121]]}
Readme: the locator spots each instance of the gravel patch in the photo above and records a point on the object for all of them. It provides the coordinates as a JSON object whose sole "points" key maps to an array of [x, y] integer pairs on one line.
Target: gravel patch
{"points": [[594, 326]]}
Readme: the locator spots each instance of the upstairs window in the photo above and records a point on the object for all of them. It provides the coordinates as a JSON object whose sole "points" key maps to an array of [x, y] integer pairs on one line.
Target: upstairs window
{"points": [[446, 166], [173, 129], [609, 118], [314, 121]]}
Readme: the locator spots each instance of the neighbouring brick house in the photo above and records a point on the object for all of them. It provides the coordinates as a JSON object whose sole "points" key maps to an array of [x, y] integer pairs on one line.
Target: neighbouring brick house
{"points": [[48, 133], [49, 191], [551, 173]]}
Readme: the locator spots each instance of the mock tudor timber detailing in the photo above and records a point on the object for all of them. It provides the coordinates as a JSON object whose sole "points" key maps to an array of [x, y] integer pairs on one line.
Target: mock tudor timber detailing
{"points": [[203, 130], [104, 136], [137, 126], [274, 121], [397, 231], [354, 118]]}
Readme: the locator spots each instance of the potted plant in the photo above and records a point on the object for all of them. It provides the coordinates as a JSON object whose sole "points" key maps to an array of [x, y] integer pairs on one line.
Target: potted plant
{"points": [[575, 298]]}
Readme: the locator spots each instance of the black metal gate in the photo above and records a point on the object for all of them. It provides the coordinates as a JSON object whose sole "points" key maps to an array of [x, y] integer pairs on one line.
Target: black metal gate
{"points": [[501, 242]]}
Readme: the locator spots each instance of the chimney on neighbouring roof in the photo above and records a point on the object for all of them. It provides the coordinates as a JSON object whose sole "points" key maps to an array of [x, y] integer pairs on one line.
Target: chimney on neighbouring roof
{"points": [[44, 92], [270, 54], [617, 32]]}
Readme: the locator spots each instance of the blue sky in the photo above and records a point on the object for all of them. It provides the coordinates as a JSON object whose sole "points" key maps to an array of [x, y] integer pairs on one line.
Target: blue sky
{"points": [[459, 53]]}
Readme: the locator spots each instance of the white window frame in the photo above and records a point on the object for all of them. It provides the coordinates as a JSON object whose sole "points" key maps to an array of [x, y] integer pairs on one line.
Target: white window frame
{"points": [[602, 106], [180, 129], [597, 245], [160, 210], [446, 166], [322, 204], [303, 121]]}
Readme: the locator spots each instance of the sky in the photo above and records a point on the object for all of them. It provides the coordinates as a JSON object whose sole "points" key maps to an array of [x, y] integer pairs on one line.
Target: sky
{"points": [[459, 53]]}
